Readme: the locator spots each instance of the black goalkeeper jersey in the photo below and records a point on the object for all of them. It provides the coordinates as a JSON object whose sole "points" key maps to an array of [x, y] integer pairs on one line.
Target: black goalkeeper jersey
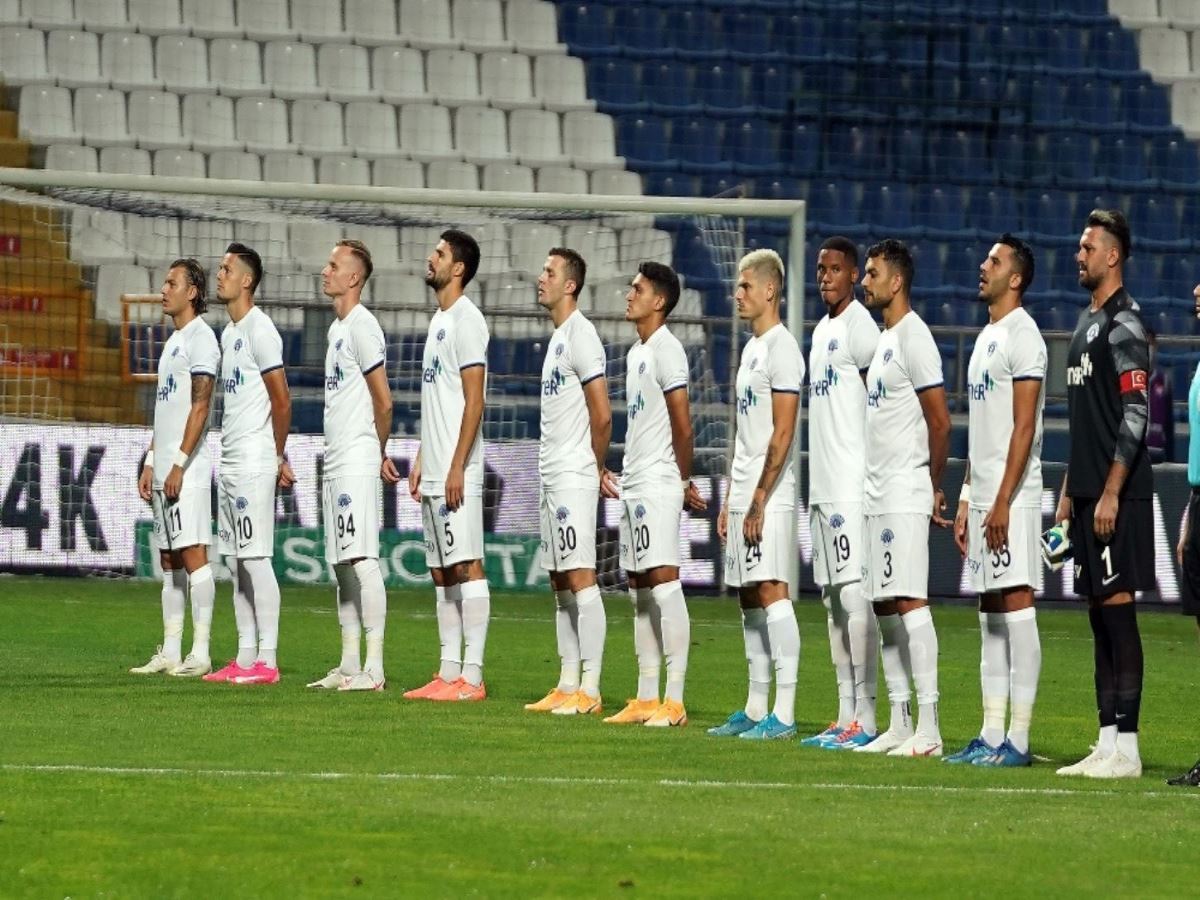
{"points": [[1107, 344]]}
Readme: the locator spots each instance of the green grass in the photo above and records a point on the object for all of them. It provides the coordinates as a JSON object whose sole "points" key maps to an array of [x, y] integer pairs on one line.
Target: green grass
{"points": [[116, 786]]}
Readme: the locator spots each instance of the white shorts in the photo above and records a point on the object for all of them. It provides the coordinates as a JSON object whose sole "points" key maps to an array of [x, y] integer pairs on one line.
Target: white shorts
{"points": [[568, 529], [896, 563], [351, 504], [649, 531], [452, 536], [769, 560], [246, 515], [185, 522], [1018, 565], [837, 542]]}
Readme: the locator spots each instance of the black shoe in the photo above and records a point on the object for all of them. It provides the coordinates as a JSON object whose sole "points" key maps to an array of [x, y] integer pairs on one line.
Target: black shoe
{"points": [[1190, 778]]}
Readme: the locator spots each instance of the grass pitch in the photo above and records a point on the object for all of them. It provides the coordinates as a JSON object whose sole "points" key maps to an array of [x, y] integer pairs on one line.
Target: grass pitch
{"points": [[118, 786]]}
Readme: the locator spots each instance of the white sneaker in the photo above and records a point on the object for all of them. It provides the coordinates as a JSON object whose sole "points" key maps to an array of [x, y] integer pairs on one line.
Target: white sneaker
{"points": [[885, 743], [366, 680], [331, 682], [192, 667], [1117, 765], [919, 745], [1085, 765], [158, 664]]}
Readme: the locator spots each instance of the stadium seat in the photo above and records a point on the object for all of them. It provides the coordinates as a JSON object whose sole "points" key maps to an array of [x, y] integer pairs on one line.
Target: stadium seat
{"points": [[1155, 221], [643, 141], [263, 20], [803, 148], [127, 60], [507, 80], [71, 158], [393, 172], [771, 86], [1185, 107], [181, 163], [722, 87], [342, 169], [1146, 104], [559, 82], [528, 243], [597, 244], [317, 126], [889, 207], [614, 84], [398, 73], [564, 180], [503, 176], [48, 14], [782, 187], [153, 239], [73, 58], [235, 67], [115, 279], [23, 56], [692, 34], [45, 114], [1048, 217], [103, 15], [154, 119], [344, 72], [532, 25], [181, 63], [857, 150], [205, 238], [616, 182], [262, 124], [98, 237], [156, 16], [753, 145], [481, 134], [453, 175], [425, 131], [493, 247], [293, 167], [1067, 159], [534, 137], [371, 129], [1175, 161], [235, 164], [1091, 101], [1136, 13], [125, 161], [479, 25], [638, 245], [834, 207], [942, 210], [208, 123], [210, 19], [639, 28], [1048, 95], [100, 117], [371, 22], [696, 143], [993, 211], [1164, 52], [453, 76], [426, 23], [384, 244], [319, 20], [1122, 162], [586, 28], [667, 87], [290, 68]]}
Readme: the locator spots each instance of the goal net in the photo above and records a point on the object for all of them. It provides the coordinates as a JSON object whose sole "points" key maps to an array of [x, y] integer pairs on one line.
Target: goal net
{"points": [[76, 375]]}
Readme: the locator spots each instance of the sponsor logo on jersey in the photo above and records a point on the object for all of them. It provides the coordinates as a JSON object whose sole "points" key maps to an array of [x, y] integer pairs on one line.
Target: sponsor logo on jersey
{"points": [[1093, 331], [441, 335], [432, 371], [747, 400], [344, 501], [636, 406], [237, 345], [880, 393], [753, 363], [1077, 374], [174, 352], [822, 387], [224, 534], [234, 382], [640, 511], [169, 387], [334, 381], [562, 514], [887, 356], [974, 565], [551, 385], [338, 344], [991, 348], [241, 503], [559, 348], [886, 536], [979, 390], [836, 521]]}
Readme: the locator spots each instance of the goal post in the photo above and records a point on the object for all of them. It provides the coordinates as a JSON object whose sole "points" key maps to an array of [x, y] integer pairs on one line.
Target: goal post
{"points": [[122, 231]]}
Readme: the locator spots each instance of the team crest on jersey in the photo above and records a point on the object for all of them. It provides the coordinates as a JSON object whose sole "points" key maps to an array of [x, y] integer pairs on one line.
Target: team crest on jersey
{"points": [[175, 352], [432, 371], [234, 382], [237, 345], [344, 501], [636, 406], [887, 356], [836, 521], [1093, 330], [558, 349], [168, 388], [642, 369], [833, 345], [338, 344], [444, 511], [562, 514], [887, 537], [747, 400], [640, 511], [551, 385], [991, 348], [441, 335], [241, 503], [753, 364]]}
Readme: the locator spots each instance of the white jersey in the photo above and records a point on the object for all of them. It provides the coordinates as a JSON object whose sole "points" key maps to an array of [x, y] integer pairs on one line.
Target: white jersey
{"points": [[1005, 352], [838, 358], [457, 340], [249, 350], [771, 364], [574, 356], [653, 369], [906, 362], [192, 350], [356, 348]]}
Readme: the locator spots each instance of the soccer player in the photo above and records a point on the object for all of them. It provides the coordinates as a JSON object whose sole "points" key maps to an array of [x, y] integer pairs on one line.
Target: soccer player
{"points": [[575, 415], [447, 475], [758, 518], [999, 515], [653, 488], [842, 346], [1108, 488], [177, 474], [358, 420], [907, 439], [254, 428]]}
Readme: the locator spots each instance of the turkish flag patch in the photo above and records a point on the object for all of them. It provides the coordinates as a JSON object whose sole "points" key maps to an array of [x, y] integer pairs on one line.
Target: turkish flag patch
{"points": [[1134, 381]]}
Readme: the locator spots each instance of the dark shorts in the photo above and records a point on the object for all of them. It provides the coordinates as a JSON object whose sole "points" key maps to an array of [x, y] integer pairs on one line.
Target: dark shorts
{"points": [[1126, 562], [1190, 576]]}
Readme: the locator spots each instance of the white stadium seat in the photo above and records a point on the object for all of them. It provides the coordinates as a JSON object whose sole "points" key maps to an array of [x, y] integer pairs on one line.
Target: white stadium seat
{"points": [[372, 22], [479, 25], [341, 169], [73, 58], [47, 14], [371, 128], [453, 76], [98, 237], [156, 16], [401, 173], [23, 56], [344, 71], [210, 18], [608, 299], [1195, 41], [235, 67], [317, 126], [644, 244], [154, 239], [616, 182], [562, 180], [398, 73], [291, 69], [507, 80], [529, 242], [453, 175], [1164, 52], [416, 243], [384, 243], [154, 119], [589, 140], [127, 60], [317, 20], [1181, 13], [205, 238], [293, 167], [262, 124], [103, 15], [534, 137], [114, 280], [263, 20], [493, 247], [181, 63], [288, 286], [503, 176], [235, 164], [310, 241], [426, 23], [125, 161], [183, 163], [598, 245], [71, 158], [425, 131], [1135, 13], [208, 123], [559, 82], [45, 114], [691, 305], [481, 134], [10, 13], [1185, 107], [532, 25]]}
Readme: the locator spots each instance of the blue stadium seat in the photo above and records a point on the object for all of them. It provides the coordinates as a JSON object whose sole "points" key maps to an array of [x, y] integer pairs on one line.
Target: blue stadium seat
{"points": [[642, 140], [833, 208], [614, 85], [929, 275], [1048, 96], [803, 148], [1145, 104], [747, 39], [586, 28], [942, 210], [667, 87], [1122, 162], [993, 211], [692, 34], [720, 184], [1154, 221], [1090, 101], [772, 86], [638, 27], [962, 264], [1063, 47], [1113, 49], [1142, 273], [753, 145], [909, 142], [948, 95], [1048, 217], [1011, 157], [723, 87], [947, 47], [1181, 274], [1066, 158], [959, 155], [671, 184], [799, 36], [856, 150], [889, 208], [1175, 161], [696, 143], [780, 187]]}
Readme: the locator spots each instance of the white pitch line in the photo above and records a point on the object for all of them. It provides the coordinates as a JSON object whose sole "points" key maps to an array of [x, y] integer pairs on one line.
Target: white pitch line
{"points": [[550, 780]]}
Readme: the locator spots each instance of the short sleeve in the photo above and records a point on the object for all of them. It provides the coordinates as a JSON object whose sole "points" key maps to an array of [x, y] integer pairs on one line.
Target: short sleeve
{"points": [[864, 337], [671, 367], [471, 342], [785, 366], [922, 359], [587, 354], [204, 353], [268, 347], [1027, 355], [369, 348]]}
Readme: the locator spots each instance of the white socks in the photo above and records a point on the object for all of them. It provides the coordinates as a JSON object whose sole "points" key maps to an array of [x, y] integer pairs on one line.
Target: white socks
{"points": [[349, 604], [476, 602], [566, 625], [265, 607], [863, 639], [243, 612], [374, 610], [174, 599], [758, 659], [593, 627], [646, 642], [675, 631], [993, 675], [203, 592], [450, 630], [839, 652], [784, 637], [1127, 743], [1025, 660], [894, 655], [923, 656]]}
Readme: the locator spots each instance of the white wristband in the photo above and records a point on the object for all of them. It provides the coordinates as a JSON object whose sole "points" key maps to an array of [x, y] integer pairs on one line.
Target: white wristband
{"points": [[280, 460], [687, 483], [181, 459], [964, 496], [149, 463]]}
